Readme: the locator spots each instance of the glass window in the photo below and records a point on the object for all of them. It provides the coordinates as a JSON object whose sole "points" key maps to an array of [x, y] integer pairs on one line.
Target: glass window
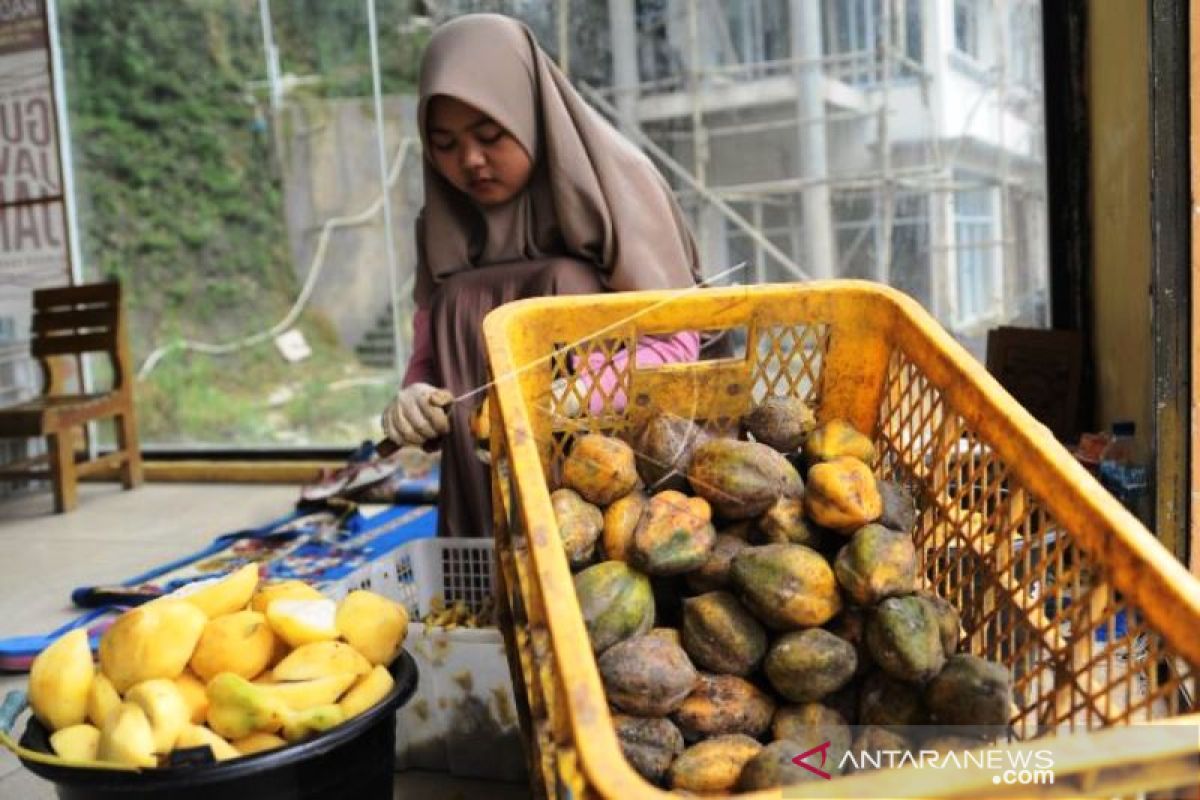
{"points": [[1024, 52], [227, 170], [17, 381], [911, 32], [862, 252], [753, 30], [852, 32], [975, 252]]}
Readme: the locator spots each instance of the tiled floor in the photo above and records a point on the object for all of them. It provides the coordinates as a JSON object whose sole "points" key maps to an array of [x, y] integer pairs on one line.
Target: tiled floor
{"points": [[114, 535]]}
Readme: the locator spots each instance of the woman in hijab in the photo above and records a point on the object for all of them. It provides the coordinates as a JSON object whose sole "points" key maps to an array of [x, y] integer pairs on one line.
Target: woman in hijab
{"points": [[528, 192]]}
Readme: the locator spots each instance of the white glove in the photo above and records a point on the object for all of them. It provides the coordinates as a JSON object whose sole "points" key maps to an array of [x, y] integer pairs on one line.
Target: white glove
{"points": [[417, 414]]}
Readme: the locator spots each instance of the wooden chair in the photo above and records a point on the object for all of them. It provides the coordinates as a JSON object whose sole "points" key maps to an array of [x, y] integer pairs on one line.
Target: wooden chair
{"points": [[68, 322], [1043, 370]]}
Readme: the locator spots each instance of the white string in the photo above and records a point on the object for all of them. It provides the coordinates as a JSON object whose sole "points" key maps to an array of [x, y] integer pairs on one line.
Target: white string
{"points": [[310, 282], [617, 324]]}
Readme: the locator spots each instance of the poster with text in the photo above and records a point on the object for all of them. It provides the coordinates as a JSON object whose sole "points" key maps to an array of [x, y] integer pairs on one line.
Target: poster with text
{"points": [[33, 242], [33, 248]]}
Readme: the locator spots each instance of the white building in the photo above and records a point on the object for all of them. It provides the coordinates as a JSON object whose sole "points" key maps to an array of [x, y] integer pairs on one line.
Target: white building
{"points": [[807, 142]]}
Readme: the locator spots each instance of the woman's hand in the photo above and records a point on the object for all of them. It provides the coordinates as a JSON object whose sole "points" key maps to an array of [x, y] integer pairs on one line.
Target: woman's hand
{"points": [[417, 414]]}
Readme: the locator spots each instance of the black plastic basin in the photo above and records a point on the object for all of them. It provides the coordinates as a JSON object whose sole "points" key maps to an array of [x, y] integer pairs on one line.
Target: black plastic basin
{"points": [[353, 760]]}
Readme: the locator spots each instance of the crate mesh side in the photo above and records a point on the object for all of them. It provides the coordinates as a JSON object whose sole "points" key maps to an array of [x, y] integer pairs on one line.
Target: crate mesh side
{"points": [[407, 591], [788, 362], [575, 368], [1081, 656], [467, 575]]}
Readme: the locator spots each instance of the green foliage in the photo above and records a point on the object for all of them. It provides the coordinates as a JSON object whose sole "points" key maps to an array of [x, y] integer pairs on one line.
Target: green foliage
{"points": [[195, 398], [180, 197], [179, 190], [330, 39]]}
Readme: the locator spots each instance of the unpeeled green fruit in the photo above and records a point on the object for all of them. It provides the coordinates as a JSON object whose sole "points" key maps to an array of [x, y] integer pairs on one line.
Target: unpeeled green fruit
{"points": [[617, 602], [600, 468], [787, 586]]}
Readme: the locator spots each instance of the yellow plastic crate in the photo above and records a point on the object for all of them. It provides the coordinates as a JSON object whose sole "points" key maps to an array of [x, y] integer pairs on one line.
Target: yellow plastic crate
{"points": [[1099, 624]]}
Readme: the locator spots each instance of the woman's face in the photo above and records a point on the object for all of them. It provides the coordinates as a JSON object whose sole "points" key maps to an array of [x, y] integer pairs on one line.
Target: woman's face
{"points": [[478, 156]]}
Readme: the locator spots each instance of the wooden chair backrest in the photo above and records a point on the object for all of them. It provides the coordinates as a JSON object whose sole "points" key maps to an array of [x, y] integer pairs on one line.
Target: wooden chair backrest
{"points": [[73, 320], [1043, 370]]}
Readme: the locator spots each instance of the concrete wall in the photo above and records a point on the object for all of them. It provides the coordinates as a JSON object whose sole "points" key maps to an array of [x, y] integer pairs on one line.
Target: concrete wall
{"points": [[1118, 91], [331, 169]]}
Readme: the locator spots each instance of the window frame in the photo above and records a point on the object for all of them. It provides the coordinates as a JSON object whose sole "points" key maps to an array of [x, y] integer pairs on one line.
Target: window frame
{"points": [[987, 266], [971, 17]]}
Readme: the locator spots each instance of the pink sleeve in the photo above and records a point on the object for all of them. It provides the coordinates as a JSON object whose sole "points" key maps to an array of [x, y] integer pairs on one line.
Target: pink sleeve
{"points": [[652, 351], [420, 364]]}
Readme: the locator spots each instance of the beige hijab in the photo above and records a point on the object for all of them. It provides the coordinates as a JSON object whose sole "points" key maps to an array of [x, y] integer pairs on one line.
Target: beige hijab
{"points": [[592, 195]]}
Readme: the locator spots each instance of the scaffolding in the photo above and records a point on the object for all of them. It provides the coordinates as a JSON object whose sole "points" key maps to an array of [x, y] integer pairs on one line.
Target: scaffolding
{"points": [[898, 102]]}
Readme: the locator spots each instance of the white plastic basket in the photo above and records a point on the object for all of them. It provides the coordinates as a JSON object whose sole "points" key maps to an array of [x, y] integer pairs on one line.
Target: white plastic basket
{"points": [[462, 719]]}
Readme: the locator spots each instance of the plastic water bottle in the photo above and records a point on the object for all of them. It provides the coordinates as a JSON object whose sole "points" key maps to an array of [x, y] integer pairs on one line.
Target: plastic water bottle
{"points": [[1128, 481]]}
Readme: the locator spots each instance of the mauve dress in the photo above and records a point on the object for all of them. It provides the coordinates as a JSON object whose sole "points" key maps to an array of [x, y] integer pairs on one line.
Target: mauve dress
{"points": [[458, 362]]}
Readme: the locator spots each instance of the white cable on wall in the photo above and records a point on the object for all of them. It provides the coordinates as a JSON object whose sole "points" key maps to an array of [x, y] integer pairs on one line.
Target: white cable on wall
{"points": [[310, 282]]}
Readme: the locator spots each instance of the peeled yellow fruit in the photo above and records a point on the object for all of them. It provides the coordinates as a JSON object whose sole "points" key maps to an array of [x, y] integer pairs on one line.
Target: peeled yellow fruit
{"points": [[238, 708], [258, 743], [199, 736], [283, 590], [367, 692], [152, 641], [127, 738], [299, 695], [59, 680], [279, 650], [320, 659], [166, 710], [300, 622], [192, 689], [299, 724], [374, 625], [223, 595], [102, 700], [76, 743], [241, 643]]}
